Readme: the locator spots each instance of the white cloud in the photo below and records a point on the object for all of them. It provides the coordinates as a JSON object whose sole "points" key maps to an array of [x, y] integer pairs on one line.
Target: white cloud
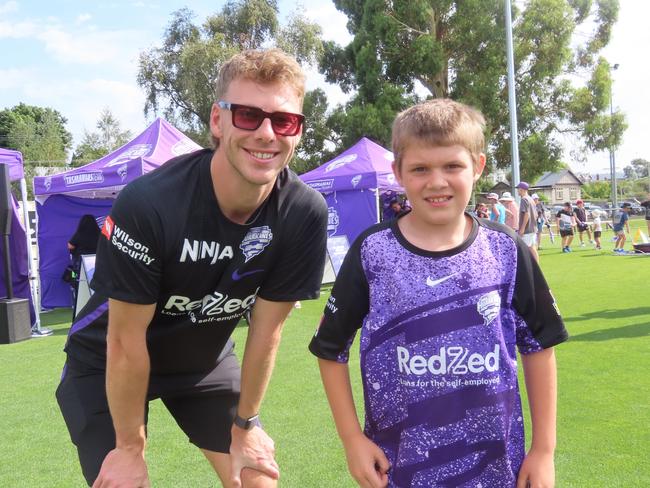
{"points": [[14, 79], [331, 20], [82, 18], [7, 7], [19, 30]]}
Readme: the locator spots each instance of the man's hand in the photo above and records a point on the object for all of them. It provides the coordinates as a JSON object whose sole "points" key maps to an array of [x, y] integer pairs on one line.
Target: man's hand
{"points": [[537, 470], [252, 449], [123, 468], [367, 463]]}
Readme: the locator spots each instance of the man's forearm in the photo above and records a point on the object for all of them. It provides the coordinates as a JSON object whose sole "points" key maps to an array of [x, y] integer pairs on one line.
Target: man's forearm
{"points": [[540, 373], [127, 379], [262, 343]]}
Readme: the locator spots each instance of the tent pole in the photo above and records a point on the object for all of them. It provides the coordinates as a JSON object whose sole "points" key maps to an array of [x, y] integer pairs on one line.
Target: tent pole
{"points": [[31, 265], [378, 206]]}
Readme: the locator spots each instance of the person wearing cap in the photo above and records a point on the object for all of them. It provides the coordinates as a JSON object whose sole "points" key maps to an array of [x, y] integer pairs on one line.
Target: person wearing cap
{"points": [[527, 219], [581, 222], [622, 226], [646, 204], [497, 210], [512, 210]]}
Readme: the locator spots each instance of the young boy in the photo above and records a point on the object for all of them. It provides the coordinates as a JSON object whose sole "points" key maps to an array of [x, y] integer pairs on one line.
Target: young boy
{"points": [[598, 227], [442, 300], [621, 226], [566, 221]]}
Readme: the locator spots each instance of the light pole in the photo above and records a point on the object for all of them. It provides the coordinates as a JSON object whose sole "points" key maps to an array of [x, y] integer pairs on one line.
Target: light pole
{"points": [[512, 99], [612, 155]]}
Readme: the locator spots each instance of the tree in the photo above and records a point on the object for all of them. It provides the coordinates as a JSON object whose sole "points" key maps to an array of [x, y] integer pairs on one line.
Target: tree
{"points": [[95, 145], [640, 167], [179, 76], [38, 133], [447, 48], [597, 190]]}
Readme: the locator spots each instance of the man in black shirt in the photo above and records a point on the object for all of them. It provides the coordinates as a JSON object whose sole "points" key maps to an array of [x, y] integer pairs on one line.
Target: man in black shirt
{"points": [[187, 251]]}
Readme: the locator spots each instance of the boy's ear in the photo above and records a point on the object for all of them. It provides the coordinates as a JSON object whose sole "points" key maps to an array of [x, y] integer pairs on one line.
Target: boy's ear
{"points": [[396, 172], [479, 167]]}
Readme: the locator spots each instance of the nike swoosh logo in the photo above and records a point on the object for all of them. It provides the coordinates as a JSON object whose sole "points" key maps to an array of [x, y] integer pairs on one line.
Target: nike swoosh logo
{"points": [[433, 283], [236, 276]]}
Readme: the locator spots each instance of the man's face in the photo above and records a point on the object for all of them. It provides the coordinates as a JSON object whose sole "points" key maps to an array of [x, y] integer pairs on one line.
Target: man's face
{"points": [[256, 156], [396, 207], [521, 192], [438, 181]]}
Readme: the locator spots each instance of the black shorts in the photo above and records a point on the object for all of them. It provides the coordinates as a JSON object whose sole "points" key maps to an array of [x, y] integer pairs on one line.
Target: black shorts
{"points": [[597, 234], [204, 408], [583, 227], [566, 232]]}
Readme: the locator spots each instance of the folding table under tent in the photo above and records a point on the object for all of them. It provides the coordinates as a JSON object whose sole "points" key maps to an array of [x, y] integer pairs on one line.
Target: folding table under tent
{"points": [[352, 184], [23, 267], [62, 199]]}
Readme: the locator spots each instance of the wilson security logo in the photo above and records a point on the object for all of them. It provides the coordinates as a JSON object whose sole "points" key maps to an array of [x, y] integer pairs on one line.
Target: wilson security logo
{"points": [[256, 241], [455, 360], [123, 242]]}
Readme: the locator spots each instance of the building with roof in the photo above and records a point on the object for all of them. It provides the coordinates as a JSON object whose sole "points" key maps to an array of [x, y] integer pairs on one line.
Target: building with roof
{"points": [[559, 187]]}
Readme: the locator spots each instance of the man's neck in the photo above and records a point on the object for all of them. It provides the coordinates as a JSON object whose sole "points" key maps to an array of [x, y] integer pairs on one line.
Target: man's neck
{"points": [[237, 199]]}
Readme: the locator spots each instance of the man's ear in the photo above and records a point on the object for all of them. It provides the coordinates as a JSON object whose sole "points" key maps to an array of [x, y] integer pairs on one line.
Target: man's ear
{"points": [[215, 121]]}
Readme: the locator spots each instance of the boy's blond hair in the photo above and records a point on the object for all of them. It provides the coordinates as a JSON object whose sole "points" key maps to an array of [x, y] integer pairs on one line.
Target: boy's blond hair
{"points": [[261, 66], [439, 122]]}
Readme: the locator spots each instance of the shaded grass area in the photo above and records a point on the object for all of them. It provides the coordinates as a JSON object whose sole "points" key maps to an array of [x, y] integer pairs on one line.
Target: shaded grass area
{"points": [[604, 392]]}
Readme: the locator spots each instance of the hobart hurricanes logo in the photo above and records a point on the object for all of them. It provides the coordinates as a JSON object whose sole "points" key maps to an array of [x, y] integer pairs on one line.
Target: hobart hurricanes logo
{"points": [[123, 242], [122, 171], [340, 162], [332, 221], [135, 151], [255, 241], [489, 305]]}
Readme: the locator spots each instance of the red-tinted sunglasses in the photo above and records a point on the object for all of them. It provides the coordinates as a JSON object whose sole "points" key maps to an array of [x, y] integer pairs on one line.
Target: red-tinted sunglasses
{"points": [[250, 118]]}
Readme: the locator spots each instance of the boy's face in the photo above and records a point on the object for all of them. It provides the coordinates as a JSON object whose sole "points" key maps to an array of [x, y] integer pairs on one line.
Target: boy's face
{"points": [[438, 181]]}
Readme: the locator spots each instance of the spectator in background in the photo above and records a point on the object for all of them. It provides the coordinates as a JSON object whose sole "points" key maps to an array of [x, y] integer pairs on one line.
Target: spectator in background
{"points": [[512, 210], [542, 220], [497, 210], [566, 220], [481, 211], [83, 241], [527, 219], [581, 222], [398, 207], [598, 226], [621, 226]]}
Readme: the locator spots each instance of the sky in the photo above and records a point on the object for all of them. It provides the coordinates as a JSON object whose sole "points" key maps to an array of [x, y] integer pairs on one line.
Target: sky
{"points": [[80, 57]]}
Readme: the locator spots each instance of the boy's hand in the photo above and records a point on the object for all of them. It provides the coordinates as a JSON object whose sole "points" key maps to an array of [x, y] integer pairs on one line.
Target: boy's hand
{"points": [[537, 470], [367, 463]]}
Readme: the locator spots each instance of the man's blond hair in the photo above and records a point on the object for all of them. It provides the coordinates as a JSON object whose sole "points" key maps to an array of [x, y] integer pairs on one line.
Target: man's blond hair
{"points": [[262, 66], [439, 122]]}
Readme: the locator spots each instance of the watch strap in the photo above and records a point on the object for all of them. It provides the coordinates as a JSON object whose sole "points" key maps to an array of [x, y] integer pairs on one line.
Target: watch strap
{"points": [[248, 423]]}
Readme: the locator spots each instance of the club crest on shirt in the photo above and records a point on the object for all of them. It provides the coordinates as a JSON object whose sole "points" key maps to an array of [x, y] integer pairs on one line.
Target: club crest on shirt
{"points": [[489, 305], [255, 241]]}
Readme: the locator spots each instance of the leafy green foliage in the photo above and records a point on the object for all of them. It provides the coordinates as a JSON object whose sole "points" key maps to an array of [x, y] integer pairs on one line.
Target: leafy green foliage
{"points": [[178, 77], [94, 145], [457, 48]]}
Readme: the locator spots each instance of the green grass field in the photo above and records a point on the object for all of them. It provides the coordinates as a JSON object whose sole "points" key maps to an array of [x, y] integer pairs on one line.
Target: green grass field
{"points": [[604, 392]]}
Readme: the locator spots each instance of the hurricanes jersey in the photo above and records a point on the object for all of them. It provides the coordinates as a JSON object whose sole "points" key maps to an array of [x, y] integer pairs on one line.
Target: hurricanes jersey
{"points": [[438, 338]]}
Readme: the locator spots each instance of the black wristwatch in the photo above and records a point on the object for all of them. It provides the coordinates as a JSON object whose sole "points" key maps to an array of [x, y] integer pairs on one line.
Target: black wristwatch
{"points": [[247, 424]]}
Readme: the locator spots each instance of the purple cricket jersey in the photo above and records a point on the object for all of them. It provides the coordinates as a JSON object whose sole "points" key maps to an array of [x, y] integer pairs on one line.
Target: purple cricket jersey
{"points": [[439, 333]]}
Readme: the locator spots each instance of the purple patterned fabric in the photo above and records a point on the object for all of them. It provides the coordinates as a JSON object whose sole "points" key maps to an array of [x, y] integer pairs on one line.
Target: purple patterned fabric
{"points": [[439, 365]]}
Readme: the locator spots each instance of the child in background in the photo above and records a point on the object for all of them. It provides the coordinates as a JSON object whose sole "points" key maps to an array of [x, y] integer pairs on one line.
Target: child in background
{"points": [[598, 227], [621, 226], [443, 301], [566, 221]]}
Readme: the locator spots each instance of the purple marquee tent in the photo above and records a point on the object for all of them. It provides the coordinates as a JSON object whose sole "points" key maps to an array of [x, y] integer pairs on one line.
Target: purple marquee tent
{"points": [[19, 246], [352, 184], [91, 189]]}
